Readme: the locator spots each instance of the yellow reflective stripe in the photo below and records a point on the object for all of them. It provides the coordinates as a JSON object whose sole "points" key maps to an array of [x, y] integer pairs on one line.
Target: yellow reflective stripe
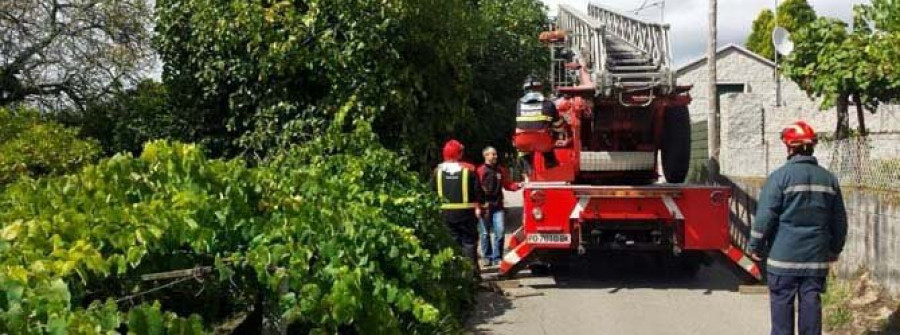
{"points": [[457, 206], [534, 118], [440, 183], [465, 185]]}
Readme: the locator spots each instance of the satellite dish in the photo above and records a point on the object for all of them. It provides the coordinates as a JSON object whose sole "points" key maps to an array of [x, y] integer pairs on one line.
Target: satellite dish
{"points": [[781, 39]]}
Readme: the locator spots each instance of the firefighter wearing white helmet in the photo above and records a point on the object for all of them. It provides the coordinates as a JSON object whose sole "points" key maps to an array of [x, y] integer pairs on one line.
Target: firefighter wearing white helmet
{"points": [[536, 117]]}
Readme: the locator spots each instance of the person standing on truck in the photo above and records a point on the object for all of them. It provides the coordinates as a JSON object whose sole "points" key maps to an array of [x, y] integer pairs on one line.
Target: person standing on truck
{"points": [[800, 227], [536, 117], [494, 179], [461, 198]]}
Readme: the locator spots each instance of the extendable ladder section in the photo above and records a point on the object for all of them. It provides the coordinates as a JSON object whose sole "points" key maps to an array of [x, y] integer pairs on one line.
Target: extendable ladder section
{"points": [[621, 53]]}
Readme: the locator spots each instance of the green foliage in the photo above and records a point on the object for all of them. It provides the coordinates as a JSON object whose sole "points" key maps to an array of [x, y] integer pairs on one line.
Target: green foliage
{"points": [[33, 147], [257, 76], [833, 62], [388, 267], [760, 39], [821, 62], [506, 53], [128, 119], [876, 31], [793, 15], [275, 71], [356, 240], [834, 304]]}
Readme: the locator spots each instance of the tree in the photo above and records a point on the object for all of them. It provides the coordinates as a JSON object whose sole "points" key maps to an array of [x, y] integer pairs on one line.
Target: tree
{"points": [[125, 120], [259, 76], [57, 52], [262, 75], [838, 64], [503, 50], [760, 39], [792, 15], [876, 29]]}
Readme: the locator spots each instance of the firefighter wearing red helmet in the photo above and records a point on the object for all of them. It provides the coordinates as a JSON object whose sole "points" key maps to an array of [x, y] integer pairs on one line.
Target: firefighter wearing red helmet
{"points": [[461, 198], [799, 137], [800, 227]]}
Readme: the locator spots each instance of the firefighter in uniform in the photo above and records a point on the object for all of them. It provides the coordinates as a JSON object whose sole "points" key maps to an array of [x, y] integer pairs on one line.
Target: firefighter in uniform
{"points": [[536, 118], [461, 195], [800, 227]]}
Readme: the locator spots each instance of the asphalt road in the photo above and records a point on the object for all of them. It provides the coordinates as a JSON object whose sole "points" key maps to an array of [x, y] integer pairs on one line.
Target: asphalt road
{"points": [[621, 296], [633, 301]]}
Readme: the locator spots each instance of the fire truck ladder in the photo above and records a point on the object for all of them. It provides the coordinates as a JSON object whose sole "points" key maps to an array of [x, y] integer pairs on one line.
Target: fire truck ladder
{"points": [[618, 52]]}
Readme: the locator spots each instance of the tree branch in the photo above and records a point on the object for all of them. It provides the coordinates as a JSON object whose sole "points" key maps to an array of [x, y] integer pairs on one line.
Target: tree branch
{"points": [[34, 48]]}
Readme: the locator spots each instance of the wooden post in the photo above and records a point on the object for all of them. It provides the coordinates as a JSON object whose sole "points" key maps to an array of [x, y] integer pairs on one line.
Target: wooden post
{"points": [[713, 117]]}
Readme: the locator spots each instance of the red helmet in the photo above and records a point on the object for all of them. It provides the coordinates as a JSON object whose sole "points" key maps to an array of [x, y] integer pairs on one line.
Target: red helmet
{"points": [[798, 134], [453, 150]]}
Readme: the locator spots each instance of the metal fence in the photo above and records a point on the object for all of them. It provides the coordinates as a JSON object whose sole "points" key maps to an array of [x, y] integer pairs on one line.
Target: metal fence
{"points": [[853, 162]]}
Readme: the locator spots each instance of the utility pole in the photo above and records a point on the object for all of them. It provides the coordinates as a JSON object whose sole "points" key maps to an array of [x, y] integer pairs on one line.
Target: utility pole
{"points": [[777, 73], [713, 117]]}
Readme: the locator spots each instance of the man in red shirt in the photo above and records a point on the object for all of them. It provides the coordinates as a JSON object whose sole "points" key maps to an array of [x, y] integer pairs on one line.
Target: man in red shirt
{"points": [[494, 178]]}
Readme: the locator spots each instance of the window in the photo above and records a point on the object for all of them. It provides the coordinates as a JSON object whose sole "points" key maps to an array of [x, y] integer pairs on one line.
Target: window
{"points": [[725, 88]]}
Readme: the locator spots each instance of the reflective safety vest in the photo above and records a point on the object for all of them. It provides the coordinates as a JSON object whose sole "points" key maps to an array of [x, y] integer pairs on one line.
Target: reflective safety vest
{"points": [[531, 114], [453, 186]]}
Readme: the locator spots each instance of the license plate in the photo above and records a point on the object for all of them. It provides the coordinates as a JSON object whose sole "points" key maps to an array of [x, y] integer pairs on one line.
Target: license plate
{"points": [[550, 238]]}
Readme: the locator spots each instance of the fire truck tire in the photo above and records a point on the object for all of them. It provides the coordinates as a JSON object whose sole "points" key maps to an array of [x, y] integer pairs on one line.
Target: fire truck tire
{"points": [[688, 263], [685, 265], [540, 269], [676, 144]]}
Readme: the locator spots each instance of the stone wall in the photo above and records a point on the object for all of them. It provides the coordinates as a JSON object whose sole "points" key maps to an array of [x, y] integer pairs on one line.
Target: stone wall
{"points": [[873, 239], [750, 128]]}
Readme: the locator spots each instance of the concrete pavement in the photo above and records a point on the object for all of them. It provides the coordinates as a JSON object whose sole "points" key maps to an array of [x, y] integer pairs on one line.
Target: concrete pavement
{"points": [[619, 295], [624, 301]]}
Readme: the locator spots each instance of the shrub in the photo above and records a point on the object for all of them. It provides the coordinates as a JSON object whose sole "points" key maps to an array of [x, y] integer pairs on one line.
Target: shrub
{"points": [[31, 146]]}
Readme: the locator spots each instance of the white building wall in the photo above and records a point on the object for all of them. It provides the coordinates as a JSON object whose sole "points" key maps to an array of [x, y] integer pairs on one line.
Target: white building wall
{"points": [[733, 66]]}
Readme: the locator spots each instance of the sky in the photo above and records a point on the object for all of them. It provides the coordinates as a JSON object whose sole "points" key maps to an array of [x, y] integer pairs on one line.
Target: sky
{"points": [[688, 19]]}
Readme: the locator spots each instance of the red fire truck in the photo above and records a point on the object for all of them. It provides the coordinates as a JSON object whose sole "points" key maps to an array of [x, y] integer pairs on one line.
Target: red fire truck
{"points": [[627, 120]]}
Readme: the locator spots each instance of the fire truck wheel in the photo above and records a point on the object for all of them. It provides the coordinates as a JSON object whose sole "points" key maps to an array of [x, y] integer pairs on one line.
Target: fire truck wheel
{"points": [[539, 269], [688, 263], [676, 144]]}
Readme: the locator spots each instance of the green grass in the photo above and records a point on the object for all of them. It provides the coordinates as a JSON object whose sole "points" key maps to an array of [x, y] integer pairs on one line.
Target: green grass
{"points": [[834, 301]]}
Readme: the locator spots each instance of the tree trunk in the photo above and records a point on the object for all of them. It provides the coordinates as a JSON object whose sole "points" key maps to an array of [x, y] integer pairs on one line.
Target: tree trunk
{"points": [[713, 116], [842, 129], [860, 116]]}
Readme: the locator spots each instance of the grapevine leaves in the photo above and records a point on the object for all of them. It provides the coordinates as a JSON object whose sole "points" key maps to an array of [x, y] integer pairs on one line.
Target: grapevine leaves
{"points": [[335, 220]]}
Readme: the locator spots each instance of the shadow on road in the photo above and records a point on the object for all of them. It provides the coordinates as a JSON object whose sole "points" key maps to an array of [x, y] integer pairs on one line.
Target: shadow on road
{"points": [[629, 271], [489, 307]]}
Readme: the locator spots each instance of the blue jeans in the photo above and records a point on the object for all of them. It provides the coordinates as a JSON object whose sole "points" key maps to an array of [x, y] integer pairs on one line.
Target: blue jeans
{"points": [[807, 290], [492, 249]]}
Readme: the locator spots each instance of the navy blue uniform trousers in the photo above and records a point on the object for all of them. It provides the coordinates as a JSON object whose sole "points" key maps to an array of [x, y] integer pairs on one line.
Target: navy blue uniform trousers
{"points": [[807, 291]]}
